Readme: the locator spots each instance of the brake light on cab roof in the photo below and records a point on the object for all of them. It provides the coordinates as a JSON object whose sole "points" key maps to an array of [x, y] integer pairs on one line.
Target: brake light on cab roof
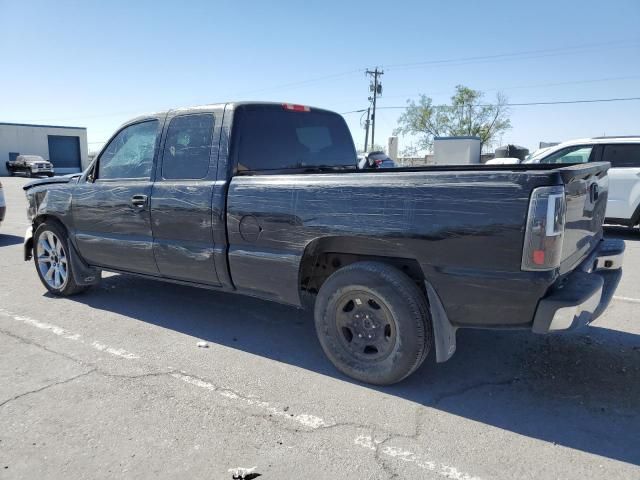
{"points": [[296, 108]]}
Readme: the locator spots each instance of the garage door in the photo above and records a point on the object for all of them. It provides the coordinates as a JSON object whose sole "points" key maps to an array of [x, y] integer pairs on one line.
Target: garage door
{"points": [[64, 153]]}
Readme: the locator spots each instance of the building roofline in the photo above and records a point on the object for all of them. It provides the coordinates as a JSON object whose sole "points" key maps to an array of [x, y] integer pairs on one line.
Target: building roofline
{"points": [[40, 126]]}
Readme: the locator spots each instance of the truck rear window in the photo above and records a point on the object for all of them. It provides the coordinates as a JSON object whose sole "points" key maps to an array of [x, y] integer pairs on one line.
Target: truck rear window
{"points": [[268, 137]]}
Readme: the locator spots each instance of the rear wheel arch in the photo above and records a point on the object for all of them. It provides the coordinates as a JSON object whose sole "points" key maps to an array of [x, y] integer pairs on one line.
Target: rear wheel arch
{"points": [[324, 256]]}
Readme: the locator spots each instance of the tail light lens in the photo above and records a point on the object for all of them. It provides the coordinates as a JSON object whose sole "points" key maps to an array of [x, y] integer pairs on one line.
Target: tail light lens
{"points": [[545, 229]]}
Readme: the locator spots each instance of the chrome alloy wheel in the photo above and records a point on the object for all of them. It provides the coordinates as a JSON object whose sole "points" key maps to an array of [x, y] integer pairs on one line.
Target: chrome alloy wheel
{"points": [[52, 260]]}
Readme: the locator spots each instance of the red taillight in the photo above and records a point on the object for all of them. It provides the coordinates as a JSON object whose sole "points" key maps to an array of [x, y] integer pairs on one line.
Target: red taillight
{"points": [[538, 257], [295, 108], [544, 231], [378, 162]]}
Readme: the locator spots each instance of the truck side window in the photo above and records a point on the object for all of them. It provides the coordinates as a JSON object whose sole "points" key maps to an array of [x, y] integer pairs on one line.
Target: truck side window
{"points": [[187, 148], [130, 153], [622, 156], [577, 154], [272, 138]]}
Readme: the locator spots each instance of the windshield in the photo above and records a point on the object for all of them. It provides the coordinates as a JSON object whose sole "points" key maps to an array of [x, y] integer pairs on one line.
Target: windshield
{"points": [[537, 155]]}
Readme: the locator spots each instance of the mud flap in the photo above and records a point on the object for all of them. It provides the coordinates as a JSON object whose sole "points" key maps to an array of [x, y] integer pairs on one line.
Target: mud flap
{"points": [[83, 273], [444, 334]]}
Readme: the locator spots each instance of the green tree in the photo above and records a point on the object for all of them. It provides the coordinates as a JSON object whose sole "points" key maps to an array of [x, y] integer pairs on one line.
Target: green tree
{"points": [[467, 115]]}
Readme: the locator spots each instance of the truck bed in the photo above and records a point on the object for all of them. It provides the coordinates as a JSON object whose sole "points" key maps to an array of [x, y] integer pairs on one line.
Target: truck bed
{"points": [[462, 225]]}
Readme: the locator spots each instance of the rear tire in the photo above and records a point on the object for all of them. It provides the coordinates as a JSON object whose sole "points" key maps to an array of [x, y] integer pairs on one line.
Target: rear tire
{"points": [[373, 323], [51, 254]]}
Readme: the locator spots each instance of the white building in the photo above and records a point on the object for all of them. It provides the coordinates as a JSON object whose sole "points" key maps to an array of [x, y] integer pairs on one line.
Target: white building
{"points": [[65, 147]]}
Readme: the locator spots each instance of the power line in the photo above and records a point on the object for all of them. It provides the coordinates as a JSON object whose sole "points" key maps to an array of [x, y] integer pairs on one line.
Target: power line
{"points": [[534, 85], [397, 66], [557, 102], [510, 55]]}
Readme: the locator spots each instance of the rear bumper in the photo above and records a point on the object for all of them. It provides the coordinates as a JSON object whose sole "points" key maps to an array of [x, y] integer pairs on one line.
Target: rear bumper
{"points": [[585, 293]]}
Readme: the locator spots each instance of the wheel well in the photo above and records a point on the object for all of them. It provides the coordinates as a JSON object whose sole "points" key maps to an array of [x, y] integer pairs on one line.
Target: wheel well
{"points": [[40, 219], [635, 219], [321, 260]]}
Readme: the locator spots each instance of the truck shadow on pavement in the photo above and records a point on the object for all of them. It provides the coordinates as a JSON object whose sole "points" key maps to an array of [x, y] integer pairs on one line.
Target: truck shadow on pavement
{"points": [[8, 240], [578, 390]]}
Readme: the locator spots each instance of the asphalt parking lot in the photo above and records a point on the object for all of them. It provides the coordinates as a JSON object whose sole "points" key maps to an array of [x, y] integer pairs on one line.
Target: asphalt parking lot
{"points": [[112, 384]]}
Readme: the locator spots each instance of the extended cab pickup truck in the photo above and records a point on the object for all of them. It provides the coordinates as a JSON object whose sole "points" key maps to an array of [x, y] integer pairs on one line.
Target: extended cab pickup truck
{"points": [[265, 200]]}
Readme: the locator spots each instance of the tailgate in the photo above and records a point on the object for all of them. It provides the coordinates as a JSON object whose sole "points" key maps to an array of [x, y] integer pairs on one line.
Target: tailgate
{"points": [[586, 189]]}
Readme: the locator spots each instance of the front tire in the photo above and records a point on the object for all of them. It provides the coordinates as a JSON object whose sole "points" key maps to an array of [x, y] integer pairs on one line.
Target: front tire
{"points": [[373, 323], [51, 254]]}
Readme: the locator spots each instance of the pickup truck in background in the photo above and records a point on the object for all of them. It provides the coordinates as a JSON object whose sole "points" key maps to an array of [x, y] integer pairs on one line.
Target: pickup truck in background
{"points": [[31, 165], [265, 200]]}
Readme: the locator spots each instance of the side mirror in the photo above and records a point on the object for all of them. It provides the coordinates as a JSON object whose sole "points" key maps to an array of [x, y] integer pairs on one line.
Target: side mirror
{"points": [[91, 175]]}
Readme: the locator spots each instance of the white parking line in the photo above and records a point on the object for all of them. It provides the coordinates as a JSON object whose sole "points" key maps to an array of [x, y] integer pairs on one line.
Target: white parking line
{"points": [[310, 421], [313, 422], [118, 352], [626, 299], [417, 459], [61, 332]]}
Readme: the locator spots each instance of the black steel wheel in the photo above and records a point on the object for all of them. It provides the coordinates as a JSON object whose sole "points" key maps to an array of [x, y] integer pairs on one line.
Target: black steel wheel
{"points": [[365, 325], [373, 322]]}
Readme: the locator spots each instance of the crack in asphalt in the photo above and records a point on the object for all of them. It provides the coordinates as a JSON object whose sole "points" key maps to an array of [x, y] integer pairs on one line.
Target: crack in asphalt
{"points": [[27, 341], [41, 389], [475, 386]]}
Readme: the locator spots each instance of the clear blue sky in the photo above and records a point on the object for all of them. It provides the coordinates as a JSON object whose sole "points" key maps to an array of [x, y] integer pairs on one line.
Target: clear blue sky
{"points": [[96, 64]]}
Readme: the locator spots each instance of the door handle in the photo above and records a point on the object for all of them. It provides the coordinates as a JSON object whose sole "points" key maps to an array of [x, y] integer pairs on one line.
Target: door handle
{"points": [[139, 200]]}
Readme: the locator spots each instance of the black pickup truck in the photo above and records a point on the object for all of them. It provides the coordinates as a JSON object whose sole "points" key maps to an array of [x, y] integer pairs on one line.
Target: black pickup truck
{"points": [[265, 199]]}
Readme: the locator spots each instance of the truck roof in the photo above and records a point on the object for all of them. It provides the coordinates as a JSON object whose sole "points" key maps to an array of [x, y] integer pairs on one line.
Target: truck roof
{"points": [[599, 140], [213, 106]]}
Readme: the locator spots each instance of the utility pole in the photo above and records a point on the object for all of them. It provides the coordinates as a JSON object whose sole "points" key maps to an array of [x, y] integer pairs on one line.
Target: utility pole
{"points": [[376, 87], [366, 129]]}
